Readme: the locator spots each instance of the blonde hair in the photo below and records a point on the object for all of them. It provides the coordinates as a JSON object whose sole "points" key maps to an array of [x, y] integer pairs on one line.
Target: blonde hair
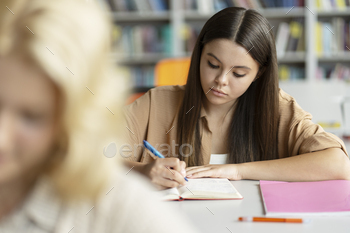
{"points": [[70, 41]]}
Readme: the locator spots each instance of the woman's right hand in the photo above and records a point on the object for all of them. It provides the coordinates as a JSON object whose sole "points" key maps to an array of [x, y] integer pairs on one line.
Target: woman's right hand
{"points": [[166, 173]]}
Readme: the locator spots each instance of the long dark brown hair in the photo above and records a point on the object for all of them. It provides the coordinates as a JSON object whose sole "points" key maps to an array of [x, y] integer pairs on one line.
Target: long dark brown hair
{"points": [[253, 128]]}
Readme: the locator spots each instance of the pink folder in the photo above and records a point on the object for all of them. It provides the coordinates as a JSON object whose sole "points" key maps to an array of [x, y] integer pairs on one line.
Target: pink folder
{"points": [[306, 198]]}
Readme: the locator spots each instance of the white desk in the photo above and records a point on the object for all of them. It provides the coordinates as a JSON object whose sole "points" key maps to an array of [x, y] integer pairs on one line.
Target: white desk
{"points": [[215, 216]]}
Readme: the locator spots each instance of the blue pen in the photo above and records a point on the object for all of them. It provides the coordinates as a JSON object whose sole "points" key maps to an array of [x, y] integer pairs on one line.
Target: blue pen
{"points": [[155, 152]]}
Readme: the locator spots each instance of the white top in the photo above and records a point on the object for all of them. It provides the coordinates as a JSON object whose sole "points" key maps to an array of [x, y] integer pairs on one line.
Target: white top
{"points": [[218, 159], [130, 206]]}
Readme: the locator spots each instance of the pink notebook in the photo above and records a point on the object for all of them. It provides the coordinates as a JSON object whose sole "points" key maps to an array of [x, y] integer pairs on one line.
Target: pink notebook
{"points": [[306, 198]]}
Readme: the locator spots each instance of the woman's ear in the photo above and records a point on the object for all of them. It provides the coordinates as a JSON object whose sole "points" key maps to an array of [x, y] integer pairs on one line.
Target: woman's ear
{"points": [[260, 72]]}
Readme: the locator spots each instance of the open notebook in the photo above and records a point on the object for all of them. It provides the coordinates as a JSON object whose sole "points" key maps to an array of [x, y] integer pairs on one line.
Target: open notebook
{"points": [[330, 197], [203, 189]]}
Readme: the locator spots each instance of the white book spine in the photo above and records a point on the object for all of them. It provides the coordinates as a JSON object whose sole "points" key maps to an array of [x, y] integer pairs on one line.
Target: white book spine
{"points": [[282, 39], [205, 6]]}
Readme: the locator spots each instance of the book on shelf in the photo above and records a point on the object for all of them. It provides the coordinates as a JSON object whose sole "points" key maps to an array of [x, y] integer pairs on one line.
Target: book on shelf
{"points": [[327, 38], [338, 42], [290, 37], [332, 37], [167, 39], [318, 36], [191, 33], [139, 76], [210, 6], [338, 72], [282, 38], [290, 73], [282, 3], [139, 5], [140, 40], [205, 6], [328, 5], [296, 35], [203, 189], [341, 72]]}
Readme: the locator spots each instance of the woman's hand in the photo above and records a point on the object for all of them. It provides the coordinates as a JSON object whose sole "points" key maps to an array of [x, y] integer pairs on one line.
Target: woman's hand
{"points": [[229, 171], [166, 173]]}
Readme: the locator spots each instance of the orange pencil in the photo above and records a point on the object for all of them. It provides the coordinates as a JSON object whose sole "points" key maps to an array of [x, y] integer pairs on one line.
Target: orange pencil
{"points": [[264, 219]]}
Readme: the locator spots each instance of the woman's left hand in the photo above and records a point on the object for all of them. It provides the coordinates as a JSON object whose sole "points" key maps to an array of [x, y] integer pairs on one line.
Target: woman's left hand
{"points": [[229, 171]]}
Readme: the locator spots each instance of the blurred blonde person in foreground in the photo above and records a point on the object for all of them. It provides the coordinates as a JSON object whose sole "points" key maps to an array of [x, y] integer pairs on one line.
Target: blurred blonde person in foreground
{"points": [[59, 107]]}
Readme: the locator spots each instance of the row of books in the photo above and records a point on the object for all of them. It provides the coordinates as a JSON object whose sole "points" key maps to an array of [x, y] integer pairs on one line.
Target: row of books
{"points": [[332, 37], [134, 41], [290, 37], [139, 5], [210, 6], [190, 36], [141, 76], [291, 73], [327, 5], [338, 72]]}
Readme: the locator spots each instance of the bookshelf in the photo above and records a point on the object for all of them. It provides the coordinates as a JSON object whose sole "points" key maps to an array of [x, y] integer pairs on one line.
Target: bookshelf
{"points": [[180, 18], [268, 13], [137, 17], [321, 94]]}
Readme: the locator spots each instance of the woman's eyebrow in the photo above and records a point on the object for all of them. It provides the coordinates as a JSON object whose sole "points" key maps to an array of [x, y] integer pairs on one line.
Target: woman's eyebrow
{"points": [[242, 67], [212, 55]]}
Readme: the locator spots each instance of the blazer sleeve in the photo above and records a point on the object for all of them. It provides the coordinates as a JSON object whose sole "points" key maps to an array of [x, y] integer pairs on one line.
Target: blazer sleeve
{"points": [[304, 136], [136, 116]]}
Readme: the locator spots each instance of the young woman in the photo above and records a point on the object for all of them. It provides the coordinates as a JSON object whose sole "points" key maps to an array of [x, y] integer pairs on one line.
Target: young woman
{"points": [[58, 110], [231, 119]]}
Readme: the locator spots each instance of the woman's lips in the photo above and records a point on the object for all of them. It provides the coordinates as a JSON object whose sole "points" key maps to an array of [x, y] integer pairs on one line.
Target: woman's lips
{"points": [[216, 91]]}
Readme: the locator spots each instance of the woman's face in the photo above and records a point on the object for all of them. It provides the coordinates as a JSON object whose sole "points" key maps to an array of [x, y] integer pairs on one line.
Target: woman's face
{"points": [[27, 118], [227, 68]]}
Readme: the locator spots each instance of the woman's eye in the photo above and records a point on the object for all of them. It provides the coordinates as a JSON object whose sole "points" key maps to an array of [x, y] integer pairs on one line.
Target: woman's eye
{"points": [[212, 66], [31, 118], [238, 75]]}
